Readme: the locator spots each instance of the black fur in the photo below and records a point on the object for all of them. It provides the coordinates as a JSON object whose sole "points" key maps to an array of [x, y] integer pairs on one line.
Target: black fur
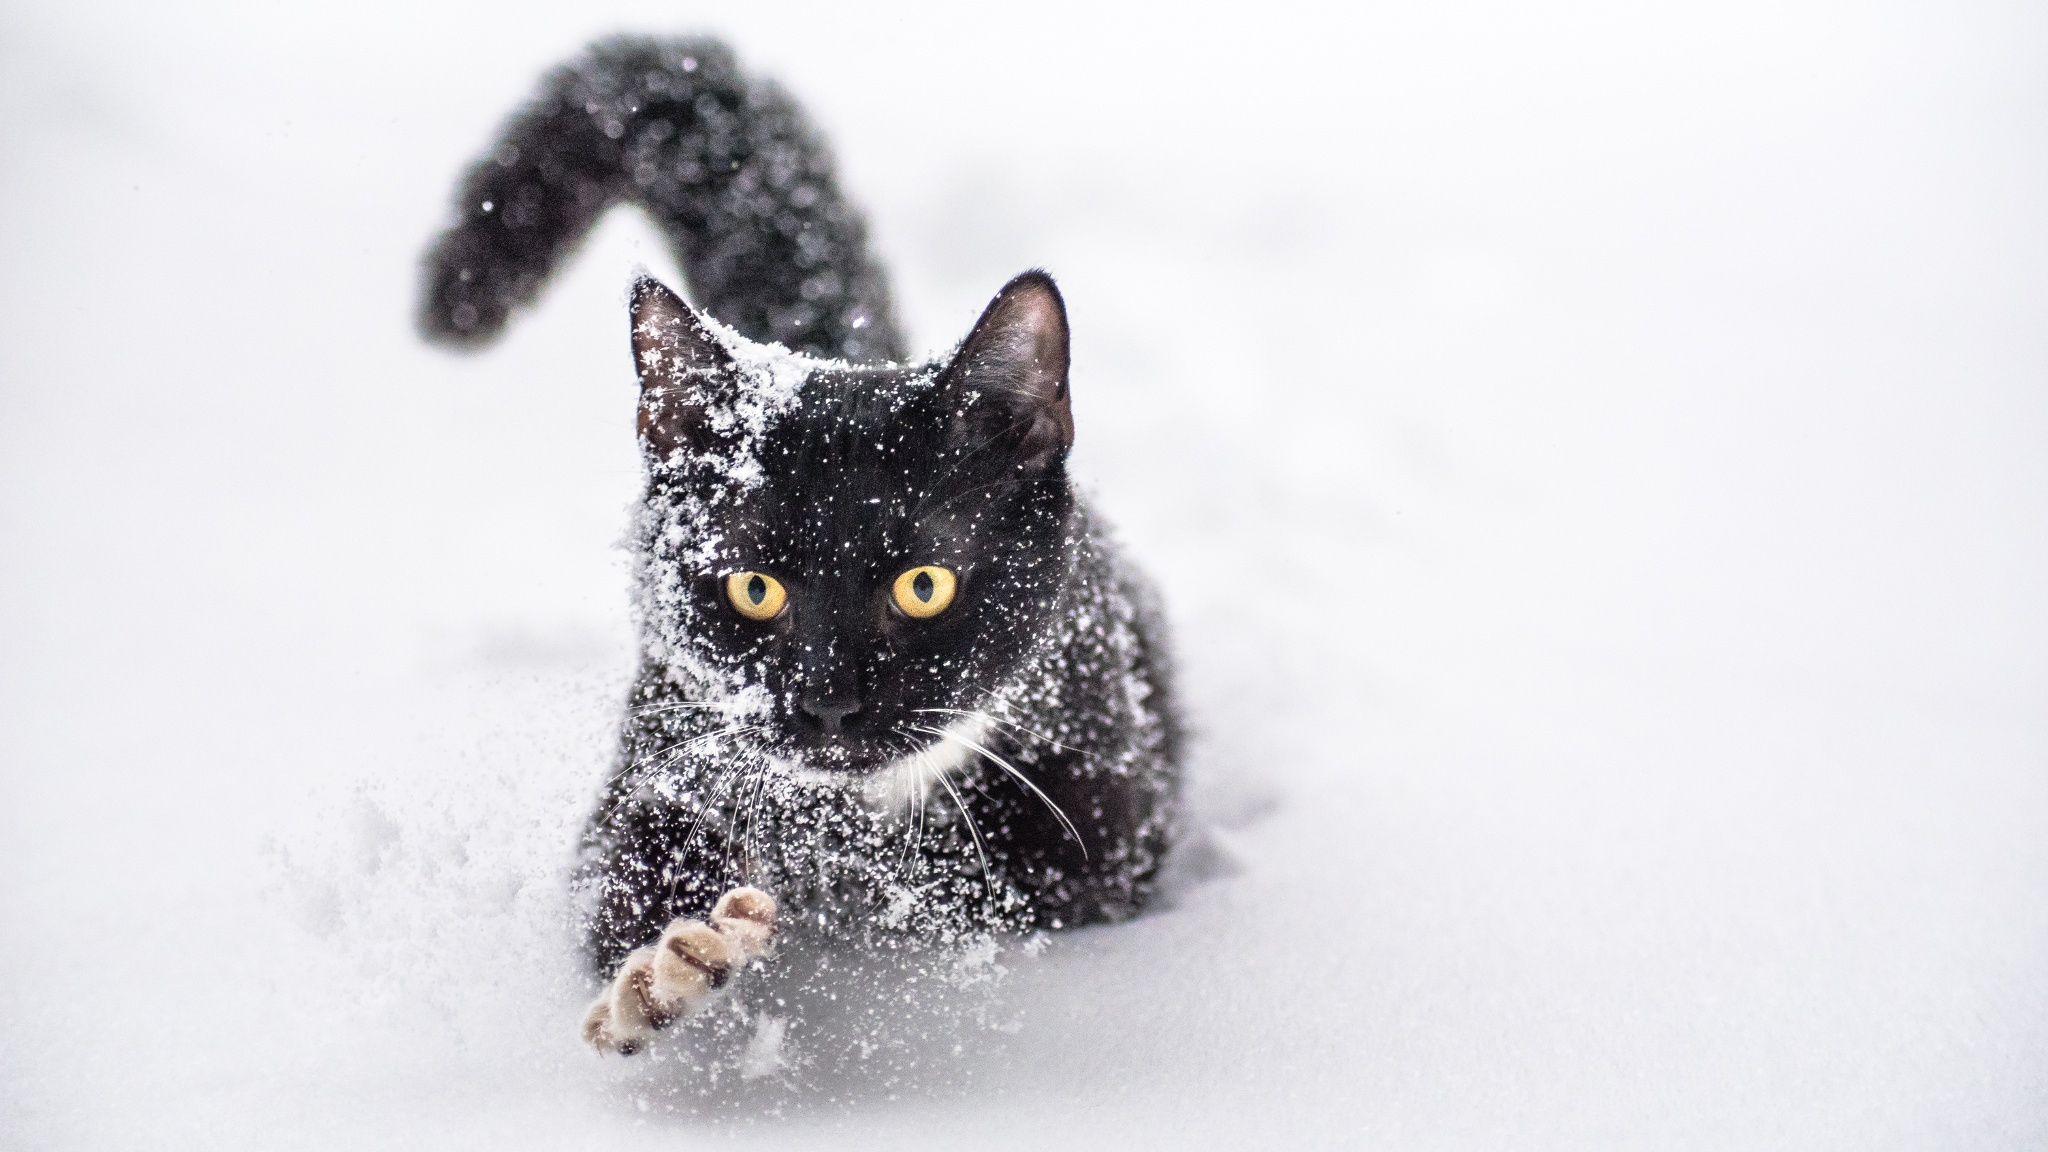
{"points": [[752, 749], [726, 164]]}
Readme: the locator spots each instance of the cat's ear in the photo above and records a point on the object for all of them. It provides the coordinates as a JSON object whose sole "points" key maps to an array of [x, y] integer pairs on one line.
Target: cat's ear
{"points": [[681, 364], [1008, 382]]}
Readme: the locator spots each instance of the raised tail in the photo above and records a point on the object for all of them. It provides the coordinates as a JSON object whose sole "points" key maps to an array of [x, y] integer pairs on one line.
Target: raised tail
{"points": [[726, 164]]}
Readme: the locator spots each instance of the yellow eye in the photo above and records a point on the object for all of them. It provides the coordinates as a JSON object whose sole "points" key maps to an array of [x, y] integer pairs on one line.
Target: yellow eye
{"points": [[924, 592], [756, 595]]}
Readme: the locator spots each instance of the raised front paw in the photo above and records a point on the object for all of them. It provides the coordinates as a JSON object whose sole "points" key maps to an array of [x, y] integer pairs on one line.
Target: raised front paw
{"points": [[670, 978]]}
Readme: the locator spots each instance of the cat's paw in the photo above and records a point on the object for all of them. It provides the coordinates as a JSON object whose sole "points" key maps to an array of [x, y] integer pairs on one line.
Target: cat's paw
{"points": [[671, 977]]}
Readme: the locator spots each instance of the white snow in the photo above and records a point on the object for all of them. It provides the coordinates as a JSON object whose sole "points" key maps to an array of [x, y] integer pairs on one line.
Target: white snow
{"points": [[1596, 457]]}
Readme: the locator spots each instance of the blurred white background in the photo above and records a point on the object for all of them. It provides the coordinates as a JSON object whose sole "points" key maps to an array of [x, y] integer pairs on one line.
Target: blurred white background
{"points": [[1647, 410]]}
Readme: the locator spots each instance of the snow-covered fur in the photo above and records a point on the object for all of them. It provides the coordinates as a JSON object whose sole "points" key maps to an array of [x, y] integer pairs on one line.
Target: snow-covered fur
{"points": [[1006, 764], [725, 163]]}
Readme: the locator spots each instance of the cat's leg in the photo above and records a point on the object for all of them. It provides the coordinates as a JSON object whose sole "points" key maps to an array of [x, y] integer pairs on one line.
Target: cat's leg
{"points": [[668, 979]]}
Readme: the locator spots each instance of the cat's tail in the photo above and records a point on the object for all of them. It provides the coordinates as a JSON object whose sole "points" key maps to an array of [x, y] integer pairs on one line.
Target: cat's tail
{"points": [[726, 164]]}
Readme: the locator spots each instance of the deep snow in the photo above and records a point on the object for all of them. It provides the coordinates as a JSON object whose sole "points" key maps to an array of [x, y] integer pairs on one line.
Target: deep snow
{"points": [[1595, 462]]}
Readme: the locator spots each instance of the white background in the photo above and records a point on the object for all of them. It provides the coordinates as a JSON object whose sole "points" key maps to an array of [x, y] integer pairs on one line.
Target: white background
{"points": [[1595, 458]]}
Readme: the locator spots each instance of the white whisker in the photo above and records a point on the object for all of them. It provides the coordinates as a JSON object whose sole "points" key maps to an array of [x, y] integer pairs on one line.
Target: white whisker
{"points": [[659, 705], [732, 821], [917, 836], [987, 892], [753, 819], [671, 751], [668, 755], [1006, 766], [725, 777], [994, 719], [898, 784]]}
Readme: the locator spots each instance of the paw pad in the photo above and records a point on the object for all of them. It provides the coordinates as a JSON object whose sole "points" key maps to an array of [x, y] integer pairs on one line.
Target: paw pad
{"points": [[665, 981]]}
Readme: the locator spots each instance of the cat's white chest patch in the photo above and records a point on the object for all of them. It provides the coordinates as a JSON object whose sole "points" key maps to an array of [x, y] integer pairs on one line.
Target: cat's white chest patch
{"points": [[907, 781]]}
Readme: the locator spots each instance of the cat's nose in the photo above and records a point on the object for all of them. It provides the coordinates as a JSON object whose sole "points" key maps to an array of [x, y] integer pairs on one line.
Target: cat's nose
{"points": [[832, 713]]}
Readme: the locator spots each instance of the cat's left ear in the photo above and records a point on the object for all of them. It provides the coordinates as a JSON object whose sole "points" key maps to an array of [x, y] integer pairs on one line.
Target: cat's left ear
{"points": [[682, 366], [1008, 382]]}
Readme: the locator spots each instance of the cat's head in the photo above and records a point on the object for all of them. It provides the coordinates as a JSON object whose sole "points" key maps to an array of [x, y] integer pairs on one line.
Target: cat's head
{"points": [[859, 555]]}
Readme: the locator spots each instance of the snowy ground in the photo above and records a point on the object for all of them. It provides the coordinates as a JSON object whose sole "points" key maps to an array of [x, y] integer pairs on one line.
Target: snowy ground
{"points": [[1598, 464]]}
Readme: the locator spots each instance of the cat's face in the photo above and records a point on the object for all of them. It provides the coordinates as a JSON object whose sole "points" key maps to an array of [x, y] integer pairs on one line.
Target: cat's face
{"points": [[870, 551]]}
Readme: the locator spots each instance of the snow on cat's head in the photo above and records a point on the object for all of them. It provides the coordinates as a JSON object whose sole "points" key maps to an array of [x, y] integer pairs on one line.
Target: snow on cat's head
{"points": [[851, 557]]}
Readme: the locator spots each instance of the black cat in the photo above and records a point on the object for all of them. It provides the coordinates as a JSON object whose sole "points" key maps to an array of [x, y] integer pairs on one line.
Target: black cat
{"points": [[894, 680]]}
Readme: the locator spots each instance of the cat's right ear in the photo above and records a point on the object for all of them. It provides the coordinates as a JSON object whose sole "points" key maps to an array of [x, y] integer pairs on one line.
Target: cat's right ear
{"points": [[680, 363]]}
